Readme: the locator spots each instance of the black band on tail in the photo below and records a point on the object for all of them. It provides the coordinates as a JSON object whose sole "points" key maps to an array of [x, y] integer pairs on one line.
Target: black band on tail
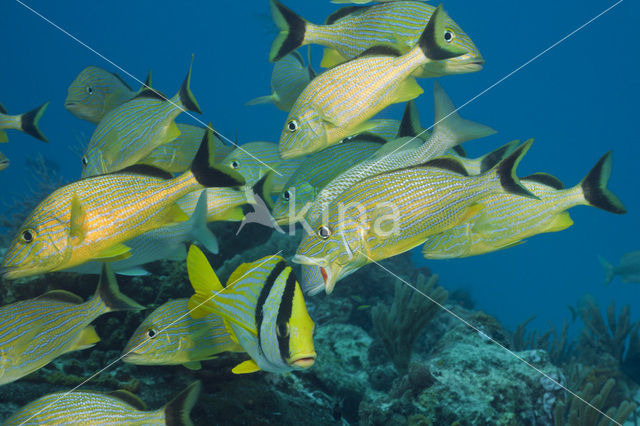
{"points": [[507, 172], [594, 187], [177, 412], [494, 157], [292, 29], [209, 174], [29, 122], [410, 123]]}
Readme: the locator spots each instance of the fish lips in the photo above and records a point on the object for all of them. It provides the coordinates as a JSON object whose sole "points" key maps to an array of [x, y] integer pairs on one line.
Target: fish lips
{"points": [[303, 361]]}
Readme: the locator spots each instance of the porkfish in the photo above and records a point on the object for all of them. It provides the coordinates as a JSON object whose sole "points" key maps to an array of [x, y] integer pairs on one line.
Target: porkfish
{"points": [[96, 91], [170, 336], [263, 307], [36, 331], [289, 77], [132, 130], [92, 218], [390, 213], [338, 102], [506, 219], [120, 407], [27, 123], [351, 30]]}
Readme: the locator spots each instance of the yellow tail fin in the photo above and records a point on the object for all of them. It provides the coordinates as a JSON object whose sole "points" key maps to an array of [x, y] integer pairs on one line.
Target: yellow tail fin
{"points": [[204, 281]]}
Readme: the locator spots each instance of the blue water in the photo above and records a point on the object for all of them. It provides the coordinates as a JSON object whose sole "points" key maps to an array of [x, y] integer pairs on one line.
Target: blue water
{"points": [[578, 101]]}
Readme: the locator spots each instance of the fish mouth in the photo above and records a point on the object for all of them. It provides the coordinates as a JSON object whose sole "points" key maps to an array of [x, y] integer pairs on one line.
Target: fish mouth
{"points": [[303, 361], [69, 105]]}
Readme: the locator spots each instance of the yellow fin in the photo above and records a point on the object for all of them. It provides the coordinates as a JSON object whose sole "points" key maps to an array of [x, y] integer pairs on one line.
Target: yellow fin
{"points": [[193, 365], [116, 252], [3, 136], [87, 338], [246, 367], [173, 214], [204, 281], [172, 132], [470, 212], [241, 272], [331, 58], [78, 216], [407, 90], [234, 214], [363, 127], [560, 222]]}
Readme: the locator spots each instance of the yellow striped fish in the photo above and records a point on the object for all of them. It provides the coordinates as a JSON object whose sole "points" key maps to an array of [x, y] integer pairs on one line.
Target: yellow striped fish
{"points": [[4, 162], [97, 408], [169, 336], [393, 212], [289, 77], [131, 131], [90, 219], [317, 170], [450, 130], [263, 305], [27, 122], [96, 91], [506, 219], [338, 102], [176, 156], [36, 331], [350, 31]]}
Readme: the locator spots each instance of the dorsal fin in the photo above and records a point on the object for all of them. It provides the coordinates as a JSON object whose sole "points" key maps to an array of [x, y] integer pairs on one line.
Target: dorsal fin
{"points": [[545, 179], [151, 94], [3, 110], [342, 12], [460, 151], [129, 398], [366, 137], [61, 296], [121, 80], [447, 163], [146, 170], [380, 50]]}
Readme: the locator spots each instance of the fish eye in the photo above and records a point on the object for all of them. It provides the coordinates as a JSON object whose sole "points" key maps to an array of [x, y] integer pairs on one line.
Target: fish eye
{"points": [[282, 329], [286, 195], [28, 235], [151, 333], [85, 161], [449, 36], [235, 164], [90, 90], [292, 125], [324, 232]]}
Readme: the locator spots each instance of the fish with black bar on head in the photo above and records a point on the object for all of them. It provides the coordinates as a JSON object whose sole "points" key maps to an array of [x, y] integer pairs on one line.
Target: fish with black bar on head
{"points": [[338, 102], [264, 308], [92, 218]]}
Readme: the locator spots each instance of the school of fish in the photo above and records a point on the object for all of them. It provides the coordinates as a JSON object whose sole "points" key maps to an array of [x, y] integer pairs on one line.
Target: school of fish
{"points": [[361, 189]]}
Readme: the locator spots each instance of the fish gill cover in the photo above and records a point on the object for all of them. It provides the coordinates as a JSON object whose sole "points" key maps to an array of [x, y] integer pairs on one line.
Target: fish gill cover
{"points": [[454, 297]]}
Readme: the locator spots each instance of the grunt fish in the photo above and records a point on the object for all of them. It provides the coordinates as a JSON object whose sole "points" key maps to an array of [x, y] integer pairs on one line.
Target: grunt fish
{"points": [[628, 269], [27, 122], [4, 162]]}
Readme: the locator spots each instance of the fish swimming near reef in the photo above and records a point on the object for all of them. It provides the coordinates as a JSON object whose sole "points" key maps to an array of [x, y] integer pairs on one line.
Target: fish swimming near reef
{"points": [[170, 336], [120, 407], [4, 162], [131, 131], [628, 269], [392, 212], [95, 91], [289, 77], [176, 156], [264, 308], [338, 102], [449, 130], [92, 218], [506, 220], [350, 31], [36, 331], [27, 123]]}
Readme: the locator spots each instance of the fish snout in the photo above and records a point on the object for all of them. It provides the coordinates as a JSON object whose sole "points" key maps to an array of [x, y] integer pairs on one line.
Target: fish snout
{"points": [[303, 361]]}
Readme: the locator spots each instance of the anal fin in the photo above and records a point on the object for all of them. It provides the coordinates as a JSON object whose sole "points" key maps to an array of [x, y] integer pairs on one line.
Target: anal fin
{"points": [[331, 58], [407, 90], [115, 252], [246, 367], [86, 339]]}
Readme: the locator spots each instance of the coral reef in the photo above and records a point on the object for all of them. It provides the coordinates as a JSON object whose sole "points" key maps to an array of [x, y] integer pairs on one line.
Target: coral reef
{"points": [[411, 311]]}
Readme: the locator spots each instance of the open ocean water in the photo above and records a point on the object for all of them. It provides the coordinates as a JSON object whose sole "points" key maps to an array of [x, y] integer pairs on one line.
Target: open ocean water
{"points": [[578, 100]]}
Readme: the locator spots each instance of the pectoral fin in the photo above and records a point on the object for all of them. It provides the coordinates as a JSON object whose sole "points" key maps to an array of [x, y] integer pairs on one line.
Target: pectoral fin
{"points": [[113, 253], [246, 367], [470, 212], [77, 220], [87, 338], [193, 365]]}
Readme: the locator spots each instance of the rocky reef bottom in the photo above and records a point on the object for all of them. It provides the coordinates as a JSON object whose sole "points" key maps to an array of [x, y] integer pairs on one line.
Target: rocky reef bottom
{"points": [[384, 357]]}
